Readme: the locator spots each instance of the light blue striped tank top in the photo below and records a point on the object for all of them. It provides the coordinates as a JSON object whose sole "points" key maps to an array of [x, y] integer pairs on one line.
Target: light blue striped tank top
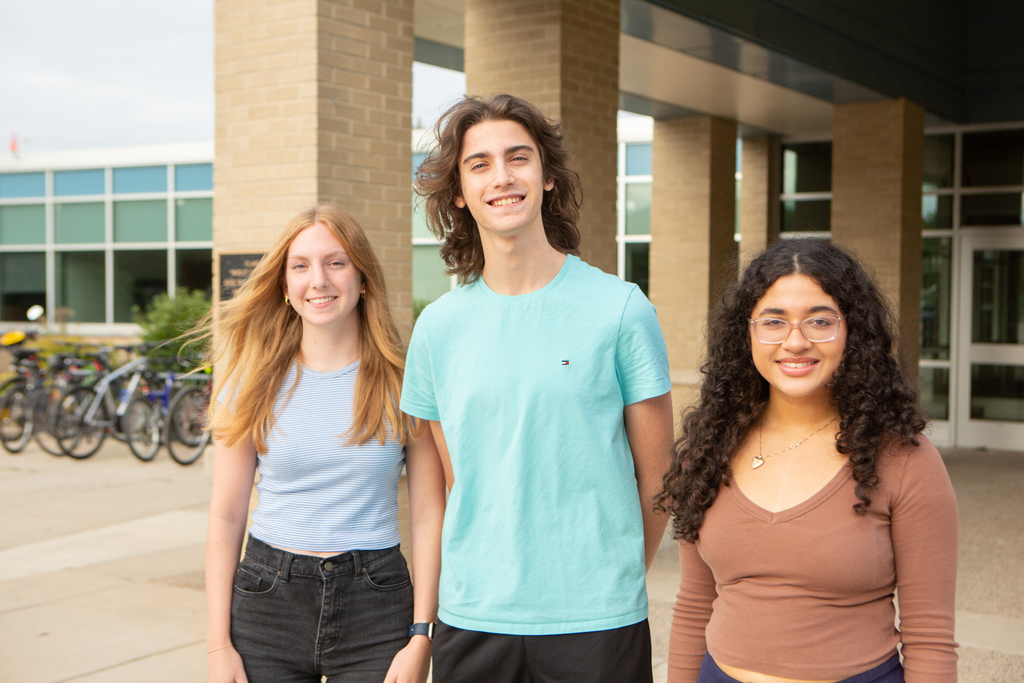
{"points": [[317, 492]]}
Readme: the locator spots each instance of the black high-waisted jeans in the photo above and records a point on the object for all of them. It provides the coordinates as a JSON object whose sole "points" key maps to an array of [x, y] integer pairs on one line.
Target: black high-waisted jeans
{"points": [[295, 618]]}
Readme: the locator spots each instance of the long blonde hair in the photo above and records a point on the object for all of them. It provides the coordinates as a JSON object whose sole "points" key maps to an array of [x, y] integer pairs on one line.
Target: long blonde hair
{"points": [[257, 333]]}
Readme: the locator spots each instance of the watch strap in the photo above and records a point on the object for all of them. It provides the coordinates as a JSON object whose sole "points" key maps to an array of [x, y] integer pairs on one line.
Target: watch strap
{"points": [[423, 628]]}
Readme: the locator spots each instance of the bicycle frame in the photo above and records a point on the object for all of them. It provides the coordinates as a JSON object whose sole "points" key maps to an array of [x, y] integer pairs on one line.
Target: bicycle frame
{"points": [[116, 407]]}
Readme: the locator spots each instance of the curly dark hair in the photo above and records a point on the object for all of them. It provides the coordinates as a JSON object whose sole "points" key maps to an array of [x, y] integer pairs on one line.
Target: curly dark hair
{"points": [[438, 181], [871, 390]]}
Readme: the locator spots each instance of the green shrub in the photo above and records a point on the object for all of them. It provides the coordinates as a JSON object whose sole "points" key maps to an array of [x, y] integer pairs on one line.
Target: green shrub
{"points": [[165, 319]]}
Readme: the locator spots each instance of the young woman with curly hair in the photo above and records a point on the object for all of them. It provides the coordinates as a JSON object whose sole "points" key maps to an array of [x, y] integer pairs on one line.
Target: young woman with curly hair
{"points": [[804, 493], [308, 388]]}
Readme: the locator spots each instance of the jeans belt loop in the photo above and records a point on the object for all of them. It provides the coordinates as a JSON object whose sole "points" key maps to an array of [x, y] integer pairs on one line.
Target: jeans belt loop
{"points": [[357, 564], [286, 567]]}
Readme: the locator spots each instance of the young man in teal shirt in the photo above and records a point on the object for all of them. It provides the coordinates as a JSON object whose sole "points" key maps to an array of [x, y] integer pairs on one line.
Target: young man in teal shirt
{"points": [[545, 383]]}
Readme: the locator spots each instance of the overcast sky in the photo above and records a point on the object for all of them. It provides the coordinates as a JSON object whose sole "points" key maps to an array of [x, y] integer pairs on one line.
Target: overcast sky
{"points": [[101, 73]]}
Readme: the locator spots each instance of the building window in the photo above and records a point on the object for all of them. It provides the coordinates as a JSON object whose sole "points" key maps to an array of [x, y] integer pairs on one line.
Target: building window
{"points": [[23, 224], [936, 297], [638, 159], [993, 158], [194, 269], [429, 280], [141, 221], [980, 210], [637, 266], [140, 179], [90, 232], [939, 155], [806, 187], [633, 208], [22, 283], [638, 209], [138, 277], [72, 183], [992, 179], [79, 223], [80, 284], [22, 185], [193, 177], [193, 219], [937, 212]]}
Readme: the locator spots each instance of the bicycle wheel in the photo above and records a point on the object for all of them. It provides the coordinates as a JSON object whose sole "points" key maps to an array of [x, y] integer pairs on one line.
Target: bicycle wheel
{"points": [[143, 427], [75, 437], [45, 404], [15, 417], [186, 437]]}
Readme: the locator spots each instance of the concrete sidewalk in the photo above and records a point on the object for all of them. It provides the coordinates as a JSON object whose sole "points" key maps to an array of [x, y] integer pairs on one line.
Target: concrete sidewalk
{"points": [[101, 569]]}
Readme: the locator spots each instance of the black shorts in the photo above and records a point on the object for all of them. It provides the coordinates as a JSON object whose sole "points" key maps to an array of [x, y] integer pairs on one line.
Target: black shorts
{"points": [[621, 655]]}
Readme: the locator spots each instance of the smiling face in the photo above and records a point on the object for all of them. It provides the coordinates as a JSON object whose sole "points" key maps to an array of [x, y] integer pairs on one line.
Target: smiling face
{"points": [[321, 280], [797, 368], [502, 180]]}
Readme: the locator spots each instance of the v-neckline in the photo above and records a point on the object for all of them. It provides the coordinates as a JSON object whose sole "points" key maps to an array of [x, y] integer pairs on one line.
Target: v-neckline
{"points": [[816, 499]]}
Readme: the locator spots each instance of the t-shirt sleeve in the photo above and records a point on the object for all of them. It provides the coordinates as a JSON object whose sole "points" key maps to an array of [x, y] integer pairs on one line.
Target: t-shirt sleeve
{"points": [[687, 644], [641, 359], [924, 538], [418, 397]]}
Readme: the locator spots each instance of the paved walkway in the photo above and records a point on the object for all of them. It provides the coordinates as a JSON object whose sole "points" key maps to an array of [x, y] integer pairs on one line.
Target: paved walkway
{"points": [[101, 567]]}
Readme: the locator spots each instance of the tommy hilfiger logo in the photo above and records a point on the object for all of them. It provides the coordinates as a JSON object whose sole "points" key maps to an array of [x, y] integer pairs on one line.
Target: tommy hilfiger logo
{"points": [[565, 362]]}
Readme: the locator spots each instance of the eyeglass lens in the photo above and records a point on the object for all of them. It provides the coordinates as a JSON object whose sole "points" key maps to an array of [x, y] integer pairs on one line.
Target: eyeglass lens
{"points": [[776, 330]]}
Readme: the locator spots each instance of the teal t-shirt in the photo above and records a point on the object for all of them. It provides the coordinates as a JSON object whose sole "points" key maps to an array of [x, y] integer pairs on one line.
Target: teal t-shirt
{"points": [[543, 532]]}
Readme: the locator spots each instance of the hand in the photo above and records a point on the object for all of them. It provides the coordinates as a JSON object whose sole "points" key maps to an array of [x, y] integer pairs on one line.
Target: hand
{"points": [[412, 663], [225, 666]]}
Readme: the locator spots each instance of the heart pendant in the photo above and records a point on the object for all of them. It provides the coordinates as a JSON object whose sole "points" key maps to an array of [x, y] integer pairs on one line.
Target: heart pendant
{"points": [[756, 462]]}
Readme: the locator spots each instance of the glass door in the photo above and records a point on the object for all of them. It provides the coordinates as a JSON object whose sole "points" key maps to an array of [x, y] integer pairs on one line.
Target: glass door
{"points": [[990, 367]]}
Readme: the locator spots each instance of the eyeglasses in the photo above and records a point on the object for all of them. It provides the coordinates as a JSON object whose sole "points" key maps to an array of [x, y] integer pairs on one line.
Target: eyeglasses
{"points": [[820, 328]]}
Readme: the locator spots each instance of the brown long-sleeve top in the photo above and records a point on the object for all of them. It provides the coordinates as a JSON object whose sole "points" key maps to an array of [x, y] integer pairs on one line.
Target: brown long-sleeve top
{"points": [[807, 592]]}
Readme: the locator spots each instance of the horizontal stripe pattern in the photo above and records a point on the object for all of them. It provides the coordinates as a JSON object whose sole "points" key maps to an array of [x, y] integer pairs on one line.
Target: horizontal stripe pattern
{"points": [[316, 492]]}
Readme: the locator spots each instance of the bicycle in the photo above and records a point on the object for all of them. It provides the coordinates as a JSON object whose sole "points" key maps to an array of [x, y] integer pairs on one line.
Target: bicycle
{"points": [[186, 434], [15, 407], [145, 416], [93, 412]]}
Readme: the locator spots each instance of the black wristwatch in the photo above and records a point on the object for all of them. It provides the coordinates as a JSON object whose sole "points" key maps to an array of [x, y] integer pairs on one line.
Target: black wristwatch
{"points": [[423, 628]]}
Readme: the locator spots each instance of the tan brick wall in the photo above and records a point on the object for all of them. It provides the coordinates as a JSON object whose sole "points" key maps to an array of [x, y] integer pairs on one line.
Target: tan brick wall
{"points": [[877, 168], [314, 103], [564, 57], [692, 226], [759, 195]]}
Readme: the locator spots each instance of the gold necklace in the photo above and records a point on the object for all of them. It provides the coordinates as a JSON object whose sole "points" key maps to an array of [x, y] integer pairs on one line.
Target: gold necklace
{"points": [[758, 459]]}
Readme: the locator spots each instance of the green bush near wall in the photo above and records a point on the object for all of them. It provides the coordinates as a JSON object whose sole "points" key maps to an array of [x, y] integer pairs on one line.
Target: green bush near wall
{"points": [[165, 319]]}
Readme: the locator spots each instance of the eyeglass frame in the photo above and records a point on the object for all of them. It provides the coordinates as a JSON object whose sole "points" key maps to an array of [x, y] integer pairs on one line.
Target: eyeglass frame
{"points": [[797, 327]]}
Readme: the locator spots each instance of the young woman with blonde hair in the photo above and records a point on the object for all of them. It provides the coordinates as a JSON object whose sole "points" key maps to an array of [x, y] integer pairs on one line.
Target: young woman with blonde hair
{"points": [[309, 380]]}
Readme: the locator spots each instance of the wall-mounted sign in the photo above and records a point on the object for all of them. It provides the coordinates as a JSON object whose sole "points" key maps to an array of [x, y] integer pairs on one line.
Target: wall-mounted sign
{"points": [[234, 271]]}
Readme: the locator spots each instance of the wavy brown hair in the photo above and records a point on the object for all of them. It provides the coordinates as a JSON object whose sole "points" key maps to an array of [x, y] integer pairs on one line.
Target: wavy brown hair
{"points": [[438, 181], [871, 391], [256, 337]]}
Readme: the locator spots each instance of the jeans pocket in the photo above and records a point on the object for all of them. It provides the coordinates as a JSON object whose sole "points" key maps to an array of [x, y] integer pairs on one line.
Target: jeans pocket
{"points": [[253, 578], [389, 573]]}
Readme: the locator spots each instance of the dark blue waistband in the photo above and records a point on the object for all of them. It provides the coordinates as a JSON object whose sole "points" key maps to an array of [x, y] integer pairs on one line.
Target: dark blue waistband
{"points": [[889, 671]]}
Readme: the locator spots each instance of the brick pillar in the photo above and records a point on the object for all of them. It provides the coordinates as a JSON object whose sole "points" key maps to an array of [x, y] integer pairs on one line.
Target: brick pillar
{"points": [[759, 195], [693, 214], [314, 103], [564, 57], [877, 169]]}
